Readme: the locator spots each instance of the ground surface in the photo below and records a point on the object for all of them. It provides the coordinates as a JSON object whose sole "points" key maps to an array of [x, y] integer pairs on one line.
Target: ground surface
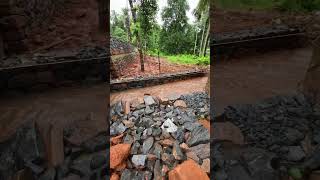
{"points": [[180, 87], [61, 107], [250, 79], [152, 68]]}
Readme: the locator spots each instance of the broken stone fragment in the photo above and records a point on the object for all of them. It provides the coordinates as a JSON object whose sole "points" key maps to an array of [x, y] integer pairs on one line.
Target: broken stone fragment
{"points": [[139, 160], [199, 135], [201, 150], [148, 100], [118, 154], [188, 170], [206, 165], [193, 156], [180, 103], [177, 152], [169, 126], [147, 144]]}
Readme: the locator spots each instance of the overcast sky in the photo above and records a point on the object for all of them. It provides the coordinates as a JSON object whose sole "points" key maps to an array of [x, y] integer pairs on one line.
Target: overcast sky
{"points": [[117, 5]]}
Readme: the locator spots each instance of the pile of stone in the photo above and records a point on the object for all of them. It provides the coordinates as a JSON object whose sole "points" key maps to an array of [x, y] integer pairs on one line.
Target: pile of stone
{"points": [[155, 138], [33, 154], [119, 47], [268, 139]]}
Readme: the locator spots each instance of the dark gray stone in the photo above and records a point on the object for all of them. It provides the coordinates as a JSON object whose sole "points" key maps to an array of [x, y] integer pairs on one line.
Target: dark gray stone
{"points": [[179, 135], [199, 135], [149, 110], [293, 136], [147, 144], [81, 167], [121, 128], [135, 148], [190, 125], [50, 174], [295, 153], [201, 150], [156, 132], [157, 150]]}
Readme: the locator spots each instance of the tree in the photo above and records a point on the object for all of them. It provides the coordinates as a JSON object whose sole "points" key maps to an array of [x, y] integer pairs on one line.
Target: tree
{"points": [[202, 13], [136, 32], [176, 36]]}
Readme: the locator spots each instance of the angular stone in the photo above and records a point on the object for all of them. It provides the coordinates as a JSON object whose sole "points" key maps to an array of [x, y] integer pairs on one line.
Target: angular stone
{"points": [[167, 158], [121, 128], [193, 156], [118, 154], [135, 148], [157, 171], [50, 174], [149, 110], [166, 142], [188, 170], [128, 123], [199, 135], [206, 165], [169, 126], [139, 160], [147, 144], [179, 135], [227, 131], [81, 167], [201, 150], [293, 136], [148, 100], [180, 103], [205, 123], [190, 125], [157, 150], [177, 152], [184, 147]]}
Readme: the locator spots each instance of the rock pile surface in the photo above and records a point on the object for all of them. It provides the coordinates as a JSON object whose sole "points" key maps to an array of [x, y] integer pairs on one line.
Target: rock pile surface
{"points": [[155, 138]]}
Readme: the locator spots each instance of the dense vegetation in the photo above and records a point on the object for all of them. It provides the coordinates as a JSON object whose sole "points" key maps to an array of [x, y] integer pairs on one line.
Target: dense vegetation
{"points": [[285, 5], [175, 38]]}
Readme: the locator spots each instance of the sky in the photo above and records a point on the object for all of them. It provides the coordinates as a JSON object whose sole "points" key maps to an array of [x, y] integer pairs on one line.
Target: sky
{"points": [[117, 5]]}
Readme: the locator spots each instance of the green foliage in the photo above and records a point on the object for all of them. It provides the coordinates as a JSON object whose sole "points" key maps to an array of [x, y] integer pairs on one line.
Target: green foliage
{"points": [[183, 58], [119, 34], [177, 35], [298, 5]]}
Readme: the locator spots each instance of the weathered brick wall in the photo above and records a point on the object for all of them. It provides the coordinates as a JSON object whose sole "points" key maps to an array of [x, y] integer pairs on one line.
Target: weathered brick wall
{"points": [[17, 17]]}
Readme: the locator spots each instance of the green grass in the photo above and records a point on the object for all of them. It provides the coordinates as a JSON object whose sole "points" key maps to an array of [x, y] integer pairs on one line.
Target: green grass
{"points": [[185, 59]]}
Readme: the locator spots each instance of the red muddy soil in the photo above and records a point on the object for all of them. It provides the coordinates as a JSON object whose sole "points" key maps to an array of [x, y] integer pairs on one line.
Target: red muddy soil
{"points": [[254, 78], [151, 66]]}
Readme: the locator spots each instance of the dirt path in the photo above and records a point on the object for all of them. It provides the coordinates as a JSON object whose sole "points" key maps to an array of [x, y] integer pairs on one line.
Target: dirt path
{"points": [[250, 79], [63, 107], [165, 90]]}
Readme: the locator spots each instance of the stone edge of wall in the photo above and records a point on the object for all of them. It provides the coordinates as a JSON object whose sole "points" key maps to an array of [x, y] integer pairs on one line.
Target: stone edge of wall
{"points": [[151, 81]]}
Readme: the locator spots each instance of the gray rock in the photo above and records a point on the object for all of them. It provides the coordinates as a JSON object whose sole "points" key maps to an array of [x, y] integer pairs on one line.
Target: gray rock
{"points": [[157, 170], [139, 160], [156, 132], [169, 126], [295, 153], [201, 150], [169, 115], [148, 100], [147, 144], [190, 125], [177, 152], [168, 159], [128, 139], [179, 135], [135, 148], [186, 118], [149, 110], [81, 167], [118, 108], [126, 175], [121, 128], [149, 131], [157, 150], [199, 135]]}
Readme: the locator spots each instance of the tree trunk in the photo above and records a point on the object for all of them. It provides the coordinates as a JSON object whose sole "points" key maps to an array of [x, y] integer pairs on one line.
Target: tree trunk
{"points": [[202, 39], [134, 17], [311, 83], [206, 40], [195, 44]]}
